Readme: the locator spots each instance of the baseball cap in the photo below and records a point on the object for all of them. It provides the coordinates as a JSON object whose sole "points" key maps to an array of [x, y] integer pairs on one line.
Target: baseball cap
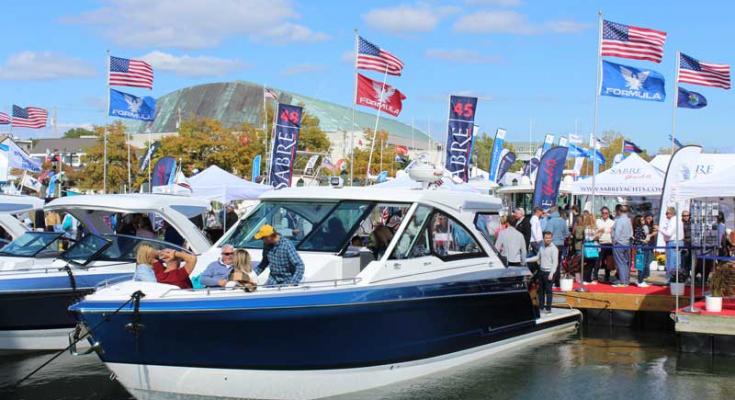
{"points": [[264, 231]]}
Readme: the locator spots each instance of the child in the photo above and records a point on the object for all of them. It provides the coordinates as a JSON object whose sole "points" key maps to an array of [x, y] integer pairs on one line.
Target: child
{"points": [[548, 261]]}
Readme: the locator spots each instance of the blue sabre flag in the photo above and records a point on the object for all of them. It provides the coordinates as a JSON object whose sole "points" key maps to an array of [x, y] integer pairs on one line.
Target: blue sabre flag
{"points": [[632, 83], [688, 99], [124, 105]]}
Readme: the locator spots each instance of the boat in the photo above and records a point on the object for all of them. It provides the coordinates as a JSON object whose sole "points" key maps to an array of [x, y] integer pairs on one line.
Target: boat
{"points": [[39, 280], [12, 206], [433, 299]]}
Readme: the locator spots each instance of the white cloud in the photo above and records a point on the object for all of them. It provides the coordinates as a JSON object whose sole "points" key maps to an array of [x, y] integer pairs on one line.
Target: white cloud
{"points": [[461, 56], [406, 19], [28, 65], [193, 24], [498, 3], [190, 66], [512, 22], [303, 69]]}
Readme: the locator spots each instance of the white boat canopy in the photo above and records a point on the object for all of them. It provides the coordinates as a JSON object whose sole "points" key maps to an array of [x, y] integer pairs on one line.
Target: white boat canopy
{"points": [[176, 210], [631, 177], [216, 184], [15, 204]]}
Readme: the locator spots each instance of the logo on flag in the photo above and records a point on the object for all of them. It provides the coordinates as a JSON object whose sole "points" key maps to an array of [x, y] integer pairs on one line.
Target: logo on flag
{"points": [[628, 82], [376, 95], [124, 105], [689, 99], [460, 132], [373, 58], [127, 72], [628, 41]]}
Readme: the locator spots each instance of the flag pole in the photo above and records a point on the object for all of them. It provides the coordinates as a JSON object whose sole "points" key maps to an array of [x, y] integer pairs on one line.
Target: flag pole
{"points": [[354, 101], [266, 137], [150, 160], [377, 120], [107, 111], [675, 103], [597, 106]]}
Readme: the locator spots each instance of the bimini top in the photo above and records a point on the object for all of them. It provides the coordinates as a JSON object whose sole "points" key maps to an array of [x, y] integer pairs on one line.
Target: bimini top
{"points": [[452, 199], [14, 204], [176, 210]]}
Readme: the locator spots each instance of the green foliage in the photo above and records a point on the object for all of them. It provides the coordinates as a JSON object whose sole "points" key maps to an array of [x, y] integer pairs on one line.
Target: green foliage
{"points": [[91, 176], [78, 132]]}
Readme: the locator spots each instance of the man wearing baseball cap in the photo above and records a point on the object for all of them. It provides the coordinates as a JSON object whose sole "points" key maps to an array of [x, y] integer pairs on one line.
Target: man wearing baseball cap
{"points": [[280, 255]]}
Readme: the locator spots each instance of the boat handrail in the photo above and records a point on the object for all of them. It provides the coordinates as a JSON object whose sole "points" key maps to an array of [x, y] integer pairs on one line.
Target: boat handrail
{"points": [[283, 286], [109, 282]]}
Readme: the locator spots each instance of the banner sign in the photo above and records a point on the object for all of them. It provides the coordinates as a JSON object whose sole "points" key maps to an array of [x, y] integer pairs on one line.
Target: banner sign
{"points": [[18, 158], [164, 172], [548, 142], [632, 83], [286, 138], [506, 161], [149, 155], [532, 164], [682, 167], [563, 141], [459, 135], [578, 163], [495, 154], [548, 177], [124, 105], [255, 169]]}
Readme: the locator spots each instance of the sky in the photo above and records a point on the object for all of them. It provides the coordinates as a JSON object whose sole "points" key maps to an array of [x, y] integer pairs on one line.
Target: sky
{"points": [[531, 63]]}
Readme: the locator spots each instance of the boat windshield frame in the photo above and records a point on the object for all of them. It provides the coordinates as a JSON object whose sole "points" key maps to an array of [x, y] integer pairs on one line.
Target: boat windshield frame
{"points": [[108, 240], [333, 205], [55, 237]]}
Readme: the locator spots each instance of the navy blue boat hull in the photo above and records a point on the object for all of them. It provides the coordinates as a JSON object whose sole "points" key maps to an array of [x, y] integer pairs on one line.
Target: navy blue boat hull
{"points": [[377, 326]]}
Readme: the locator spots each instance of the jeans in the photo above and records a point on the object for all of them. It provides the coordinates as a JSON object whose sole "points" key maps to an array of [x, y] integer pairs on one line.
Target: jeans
{"points": [[647, 258], [622, 263], [671, 258], [544, 290], [602, 260], [590, 269]]}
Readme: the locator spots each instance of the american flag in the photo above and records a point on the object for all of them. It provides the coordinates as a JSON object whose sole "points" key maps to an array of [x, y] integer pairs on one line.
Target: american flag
{"points": [[125, 72], [373, 58], [701, 73], [630, 147], [29, 117], [4, 118], [269, 94], [627, 41]]}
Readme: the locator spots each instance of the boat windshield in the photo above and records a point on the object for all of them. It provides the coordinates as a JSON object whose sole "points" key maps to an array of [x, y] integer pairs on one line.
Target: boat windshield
{"points": [[325, 225], [120, 248], [34, 244]]}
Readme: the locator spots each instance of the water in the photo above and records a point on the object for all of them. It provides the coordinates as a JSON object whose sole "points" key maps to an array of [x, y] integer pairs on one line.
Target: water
{"points": [[599, 363]]}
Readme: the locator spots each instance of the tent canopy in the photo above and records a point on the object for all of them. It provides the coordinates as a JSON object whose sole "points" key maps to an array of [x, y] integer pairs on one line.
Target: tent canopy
{"points": [[631, 177], [719, 184], [216, 184]]}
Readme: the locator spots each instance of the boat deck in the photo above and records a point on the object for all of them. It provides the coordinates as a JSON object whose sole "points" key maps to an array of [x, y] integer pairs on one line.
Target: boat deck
{"points": [[701, 331]]}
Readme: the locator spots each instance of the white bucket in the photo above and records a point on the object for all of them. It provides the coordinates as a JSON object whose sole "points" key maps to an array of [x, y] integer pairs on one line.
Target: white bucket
{"points": [[677, 289], [713, 304], [566, 284]]}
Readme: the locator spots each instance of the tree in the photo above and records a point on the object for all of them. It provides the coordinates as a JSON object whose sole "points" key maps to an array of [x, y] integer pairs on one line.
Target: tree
{"points": [[362, 155], [91, 176], [78, 132]]}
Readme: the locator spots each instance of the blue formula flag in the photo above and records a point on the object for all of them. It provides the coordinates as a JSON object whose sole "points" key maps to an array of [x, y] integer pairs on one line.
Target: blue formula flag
{"points": [[548, 177], [632, 83], [124, 105], [460, 132], [689, 99], [285, 143], [577, 151]]}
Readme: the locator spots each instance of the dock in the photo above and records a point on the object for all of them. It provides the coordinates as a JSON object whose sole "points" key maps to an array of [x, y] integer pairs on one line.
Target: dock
{"points": [[602, 296], [706, 332]]}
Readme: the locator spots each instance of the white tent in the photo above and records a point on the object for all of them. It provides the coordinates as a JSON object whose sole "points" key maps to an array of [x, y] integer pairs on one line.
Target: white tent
{"points": [[719, 184], [216, 184], [709, 163], [631, 177]]}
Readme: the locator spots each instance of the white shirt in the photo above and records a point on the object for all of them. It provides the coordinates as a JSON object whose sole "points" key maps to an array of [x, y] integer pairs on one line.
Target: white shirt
{"points": [[668, 229], [606, 225], [536, 234]]}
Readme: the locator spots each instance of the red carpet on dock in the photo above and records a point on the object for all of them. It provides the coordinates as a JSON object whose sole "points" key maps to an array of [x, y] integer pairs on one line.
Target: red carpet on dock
{"points": [[728, 309], [651, 290]]}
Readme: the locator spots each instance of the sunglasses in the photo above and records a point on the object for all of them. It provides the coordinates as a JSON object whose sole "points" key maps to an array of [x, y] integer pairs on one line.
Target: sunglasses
{"points": [[228, 254]]}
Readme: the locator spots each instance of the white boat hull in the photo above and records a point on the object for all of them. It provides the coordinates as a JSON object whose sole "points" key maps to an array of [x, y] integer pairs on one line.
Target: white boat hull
{"points": [[148, 382], [37, 339]]}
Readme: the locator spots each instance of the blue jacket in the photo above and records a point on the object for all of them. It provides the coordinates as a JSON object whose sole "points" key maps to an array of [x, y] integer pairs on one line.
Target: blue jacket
{"points": [[558, 229], [214, 272]]}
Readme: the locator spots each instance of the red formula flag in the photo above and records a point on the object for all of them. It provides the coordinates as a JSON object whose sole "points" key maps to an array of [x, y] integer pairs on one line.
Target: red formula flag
{"points": [[381, 97]]}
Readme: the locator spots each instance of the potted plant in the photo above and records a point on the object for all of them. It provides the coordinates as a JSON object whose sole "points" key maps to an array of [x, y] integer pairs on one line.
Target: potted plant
{"points": [[570, 266], [721, 284], [678, 283]]}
